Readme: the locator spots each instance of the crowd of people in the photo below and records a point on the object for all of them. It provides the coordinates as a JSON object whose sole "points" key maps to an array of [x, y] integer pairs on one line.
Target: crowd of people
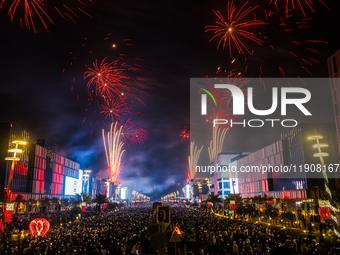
{"points": [[205, 233], [117, 232], [126, 231]]}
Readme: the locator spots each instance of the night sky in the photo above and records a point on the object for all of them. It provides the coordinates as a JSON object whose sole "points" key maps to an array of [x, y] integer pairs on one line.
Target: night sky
{"points": [[170, 37]]}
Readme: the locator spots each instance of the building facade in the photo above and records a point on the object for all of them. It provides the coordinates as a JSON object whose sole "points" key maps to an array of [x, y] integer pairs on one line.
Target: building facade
{"points": [[223, 181], [253, 182], [40, 172], [334, 72], [293, 151]]}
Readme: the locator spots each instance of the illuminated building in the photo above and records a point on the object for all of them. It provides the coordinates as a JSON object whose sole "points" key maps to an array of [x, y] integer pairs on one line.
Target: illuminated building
{"points": [[334, 72], [102, 187], [57, 169], [37, 172], [253, 183], [222, 179], [40, 172], [293, 150]]}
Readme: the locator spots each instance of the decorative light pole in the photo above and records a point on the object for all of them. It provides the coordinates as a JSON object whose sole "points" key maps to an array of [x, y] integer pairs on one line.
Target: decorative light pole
{"points": [[208, 184], [107, 183], [8, 212], [86, 178], [13, 159], [200, 190], [117, 192], [320, 155]]}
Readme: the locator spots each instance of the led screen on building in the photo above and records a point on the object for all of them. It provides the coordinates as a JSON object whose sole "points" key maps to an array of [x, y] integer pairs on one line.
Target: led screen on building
{"points": [[72, 186]]}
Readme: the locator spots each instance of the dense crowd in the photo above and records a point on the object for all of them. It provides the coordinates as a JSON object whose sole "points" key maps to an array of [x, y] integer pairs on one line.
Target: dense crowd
{"points": [[205, 233], [125, 231], [118, 232]]}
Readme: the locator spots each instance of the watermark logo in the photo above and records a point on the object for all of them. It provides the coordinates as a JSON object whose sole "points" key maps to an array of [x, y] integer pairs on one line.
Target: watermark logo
{"points": [[302, 96], [239, 102], [204, 97]]}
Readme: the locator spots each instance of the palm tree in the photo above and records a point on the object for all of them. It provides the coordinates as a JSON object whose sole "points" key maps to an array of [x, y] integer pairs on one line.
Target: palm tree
{"points": [[100, 199], [87, 198], [19, 199], [65, 202], [249, 210], [214, 199], [46, 202], [271, 212], [231, 197], [76, 200], [83, 197], [55, 201], [31, 202]]}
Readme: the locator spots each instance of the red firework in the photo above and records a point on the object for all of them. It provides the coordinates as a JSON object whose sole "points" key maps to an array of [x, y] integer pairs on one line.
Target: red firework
{"points": [[293, 4], [234, 28], [133, 131], [107, 78], [28, 10], [184, 134], [139, 136], [217, 112], [112, 85], [236, 79], [114, 108], [110, 81]]}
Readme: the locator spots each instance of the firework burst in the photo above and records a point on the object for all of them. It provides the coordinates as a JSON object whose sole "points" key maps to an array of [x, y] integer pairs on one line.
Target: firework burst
{"points": [[112, 86], [184, 134], [216, 144], [217, 112], [235, 28], [114, 150], [29, 10], [193, 159], [133, 131], [235, 79], [294, 4], [114, 108], [108, 80]]}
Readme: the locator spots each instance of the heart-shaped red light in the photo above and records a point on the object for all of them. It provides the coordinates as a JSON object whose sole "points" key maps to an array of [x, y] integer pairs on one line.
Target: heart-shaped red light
{"points": [[39, 227]]}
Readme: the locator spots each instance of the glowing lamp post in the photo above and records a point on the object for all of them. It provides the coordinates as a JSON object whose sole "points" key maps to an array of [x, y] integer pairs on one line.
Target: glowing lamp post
{"points": [[117, 191], [208, 184], [8, 213], [321, 155], [200, 189], [13, 159], [86, 178], [107, 183]]}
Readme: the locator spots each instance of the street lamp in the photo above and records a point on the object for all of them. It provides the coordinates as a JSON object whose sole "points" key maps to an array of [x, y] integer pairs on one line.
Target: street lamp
{"points": [[200, 190], [321, 154], [117, 191], [13, 159], [107, 187], [86, 177], [8, 208], [208, 184]]}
